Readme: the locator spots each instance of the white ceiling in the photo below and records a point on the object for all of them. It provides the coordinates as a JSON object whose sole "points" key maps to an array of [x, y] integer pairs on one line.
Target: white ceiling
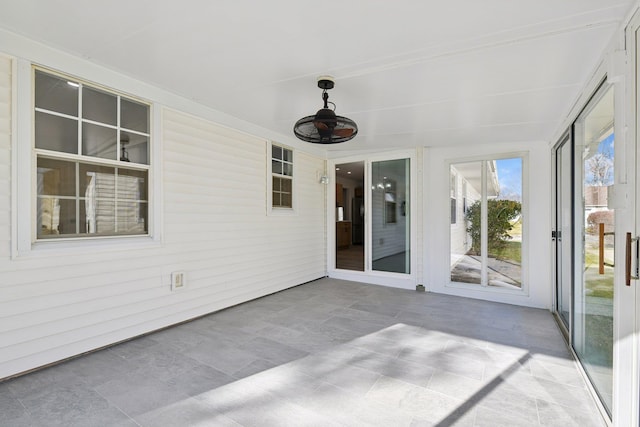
{"points": [[408, 72]]}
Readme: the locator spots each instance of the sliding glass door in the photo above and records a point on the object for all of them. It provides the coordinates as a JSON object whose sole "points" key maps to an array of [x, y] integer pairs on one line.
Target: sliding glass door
{"points": [[594, 225], [373, 216], [584, 239]]}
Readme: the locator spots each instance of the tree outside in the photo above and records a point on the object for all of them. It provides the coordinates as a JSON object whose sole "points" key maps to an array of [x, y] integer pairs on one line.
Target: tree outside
{"points": [[599, 168], [501, 215]]}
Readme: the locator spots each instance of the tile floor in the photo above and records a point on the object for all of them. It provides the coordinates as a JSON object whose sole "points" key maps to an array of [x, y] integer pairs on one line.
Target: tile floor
{"points": [[328, 353]]}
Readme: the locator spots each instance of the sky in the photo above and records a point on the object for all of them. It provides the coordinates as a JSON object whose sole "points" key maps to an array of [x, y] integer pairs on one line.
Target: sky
{"points": [[606, 145], [510, 178], [606, 150], [510, 171]]}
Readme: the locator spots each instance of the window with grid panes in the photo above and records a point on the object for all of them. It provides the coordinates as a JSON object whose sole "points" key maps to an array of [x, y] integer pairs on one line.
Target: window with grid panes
{"points": [[92, 156], [282, 177]]}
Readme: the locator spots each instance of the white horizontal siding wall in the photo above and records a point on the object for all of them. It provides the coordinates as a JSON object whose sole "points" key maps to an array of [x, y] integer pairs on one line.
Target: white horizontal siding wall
{"points": [[215, 229]]}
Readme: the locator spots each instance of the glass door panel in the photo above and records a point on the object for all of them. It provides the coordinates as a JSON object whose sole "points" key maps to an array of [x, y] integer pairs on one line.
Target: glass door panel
{"points": [[564, 215], [465, 190], [390, 231], [486, 222], [594, 226], [504, 223], [350, 232]]}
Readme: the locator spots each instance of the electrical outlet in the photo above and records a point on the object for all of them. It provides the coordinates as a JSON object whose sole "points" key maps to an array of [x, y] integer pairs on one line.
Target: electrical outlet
{"points": [[178, 280]]}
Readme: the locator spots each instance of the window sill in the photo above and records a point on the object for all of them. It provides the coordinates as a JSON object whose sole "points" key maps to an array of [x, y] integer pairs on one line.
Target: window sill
{"points": [[90, 246], [281, 211]]}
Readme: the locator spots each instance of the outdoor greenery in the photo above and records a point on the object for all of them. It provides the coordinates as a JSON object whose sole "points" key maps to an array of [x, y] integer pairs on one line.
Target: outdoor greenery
{"points": [[511, 251], [597, 285], [501, 214]]}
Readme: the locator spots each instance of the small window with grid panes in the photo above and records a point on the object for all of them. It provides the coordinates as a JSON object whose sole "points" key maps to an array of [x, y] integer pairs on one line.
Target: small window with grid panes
{"points": [[282, 177]]}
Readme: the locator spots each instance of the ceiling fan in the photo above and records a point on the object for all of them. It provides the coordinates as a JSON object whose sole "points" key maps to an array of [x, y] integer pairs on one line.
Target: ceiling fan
{"points": [[325, 127]]}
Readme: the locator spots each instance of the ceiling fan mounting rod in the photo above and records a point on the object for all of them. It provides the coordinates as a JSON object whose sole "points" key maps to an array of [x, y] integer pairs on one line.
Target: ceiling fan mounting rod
{"points": [[325, 98]]}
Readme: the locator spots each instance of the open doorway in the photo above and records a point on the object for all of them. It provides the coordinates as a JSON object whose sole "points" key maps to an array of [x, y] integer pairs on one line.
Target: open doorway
{"points": [[350, 203]]}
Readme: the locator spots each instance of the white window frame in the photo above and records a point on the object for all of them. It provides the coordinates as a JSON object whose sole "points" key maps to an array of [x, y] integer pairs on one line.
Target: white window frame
{"points": [[280, 210], [24, 179], [524, 290]]}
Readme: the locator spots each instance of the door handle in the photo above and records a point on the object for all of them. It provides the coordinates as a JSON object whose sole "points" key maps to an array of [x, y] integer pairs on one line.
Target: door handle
{"points": [[601, 235], [627, 260]]}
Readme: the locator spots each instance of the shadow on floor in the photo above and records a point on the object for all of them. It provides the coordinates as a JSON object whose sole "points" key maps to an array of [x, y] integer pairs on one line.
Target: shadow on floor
{"points": [[329, 353]]}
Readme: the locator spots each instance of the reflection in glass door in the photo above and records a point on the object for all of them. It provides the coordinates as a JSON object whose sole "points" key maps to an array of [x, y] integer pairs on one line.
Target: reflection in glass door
{"points": [[562, 234], [592, 334], [390, 219], [465, 188]]}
